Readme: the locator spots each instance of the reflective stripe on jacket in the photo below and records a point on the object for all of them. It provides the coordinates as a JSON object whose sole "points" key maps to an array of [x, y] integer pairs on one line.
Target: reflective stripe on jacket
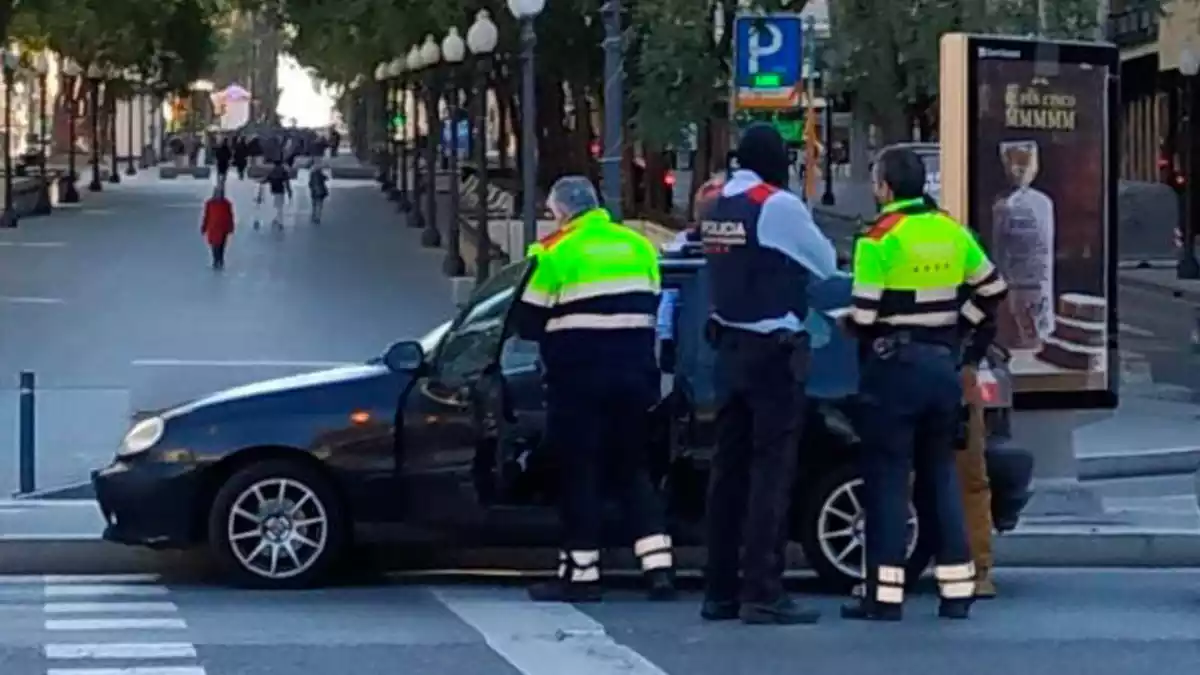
{"points": [[916, 268]]}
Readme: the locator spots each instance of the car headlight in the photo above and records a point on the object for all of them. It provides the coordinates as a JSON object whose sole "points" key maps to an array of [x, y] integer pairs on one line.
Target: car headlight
{"points": [[143, 436]]}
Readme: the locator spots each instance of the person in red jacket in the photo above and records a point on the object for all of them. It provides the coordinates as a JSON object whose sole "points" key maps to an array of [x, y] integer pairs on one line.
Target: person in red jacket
{"points": [[217, 225]]}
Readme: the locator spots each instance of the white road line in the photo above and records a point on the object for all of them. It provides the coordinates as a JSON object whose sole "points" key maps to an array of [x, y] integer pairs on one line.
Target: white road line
{"points": [[27, 300], [115, 624], [99, 578], [102, 607], [33, 244], [145, 670], [152, 363], [90, 590], [543, 638], [1135, 331], [133, 650]]}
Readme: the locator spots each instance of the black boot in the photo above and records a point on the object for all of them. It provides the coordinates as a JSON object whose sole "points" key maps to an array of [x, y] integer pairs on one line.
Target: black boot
{"points": [[782, 611], [660, 585], [560, 590], [955, 609], [720, 610], [862, 609]]}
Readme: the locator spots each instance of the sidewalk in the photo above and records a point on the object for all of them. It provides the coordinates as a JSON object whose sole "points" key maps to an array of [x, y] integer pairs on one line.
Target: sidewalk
{"points": [[1162, 279], [1143, 437]]}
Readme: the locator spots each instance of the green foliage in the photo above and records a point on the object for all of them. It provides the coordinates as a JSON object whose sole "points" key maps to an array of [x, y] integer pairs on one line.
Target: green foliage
{"points": [[680, 66]]}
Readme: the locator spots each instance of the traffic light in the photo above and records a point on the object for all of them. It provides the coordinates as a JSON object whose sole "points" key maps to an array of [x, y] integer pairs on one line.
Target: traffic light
{"points": [[398, 121]]}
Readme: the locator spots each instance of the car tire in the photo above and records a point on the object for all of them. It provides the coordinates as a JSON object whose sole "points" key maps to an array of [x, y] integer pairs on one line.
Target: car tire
{"points": [[813, 523], [316, 527]]}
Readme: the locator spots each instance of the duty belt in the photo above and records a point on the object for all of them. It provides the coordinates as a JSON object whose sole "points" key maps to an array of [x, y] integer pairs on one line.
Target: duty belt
{"points": [[885, 346]]}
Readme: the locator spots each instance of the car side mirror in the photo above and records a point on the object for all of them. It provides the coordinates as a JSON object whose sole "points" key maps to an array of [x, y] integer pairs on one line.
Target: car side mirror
{"points": [[404, 357]]}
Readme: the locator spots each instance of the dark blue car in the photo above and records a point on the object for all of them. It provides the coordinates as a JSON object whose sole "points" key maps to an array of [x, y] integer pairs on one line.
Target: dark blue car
{"points": [[443, 435]]}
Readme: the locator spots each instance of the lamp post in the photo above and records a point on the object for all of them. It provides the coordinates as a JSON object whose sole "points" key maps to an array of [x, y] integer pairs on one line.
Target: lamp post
{"points": [[381, 74], [41, 65], [131, 79], [431, 55], [614, 116], [526, 11], [143, 156], [481, 40], [67, 193], [95, 74], [11, 61], [414, 61], [827, 196], [398, 68], [1188, 267], [394, 69], [454, 50], [114, 174]]}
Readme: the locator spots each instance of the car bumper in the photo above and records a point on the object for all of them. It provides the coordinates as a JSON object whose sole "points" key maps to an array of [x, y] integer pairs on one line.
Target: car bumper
{"points": [[148, 503]]}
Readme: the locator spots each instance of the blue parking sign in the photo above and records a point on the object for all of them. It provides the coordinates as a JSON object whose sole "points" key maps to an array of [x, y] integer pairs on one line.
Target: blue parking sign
{"points": [[768, 53]]}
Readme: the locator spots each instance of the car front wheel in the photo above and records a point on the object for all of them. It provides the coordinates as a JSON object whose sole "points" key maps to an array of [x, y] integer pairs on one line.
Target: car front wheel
{"points": [[830, 530], [277, 524]]}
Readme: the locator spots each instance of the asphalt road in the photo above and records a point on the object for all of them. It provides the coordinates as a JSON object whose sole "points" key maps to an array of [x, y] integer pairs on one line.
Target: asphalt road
{"points": [[114, 307], [1047, 623]]}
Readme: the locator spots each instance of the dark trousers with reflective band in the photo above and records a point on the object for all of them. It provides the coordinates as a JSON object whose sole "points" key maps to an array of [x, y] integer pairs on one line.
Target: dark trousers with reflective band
{"points": [[908, 418], [760, 385], [597, 424]]}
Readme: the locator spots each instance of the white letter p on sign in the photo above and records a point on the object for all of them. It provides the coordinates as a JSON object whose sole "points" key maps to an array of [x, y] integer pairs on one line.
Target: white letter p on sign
{"points": [[765, 40]]}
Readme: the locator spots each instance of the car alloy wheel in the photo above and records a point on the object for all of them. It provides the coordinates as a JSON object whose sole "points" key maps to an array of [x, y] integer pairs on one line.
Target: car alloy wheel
{"points": [[840, 529], [277, 528]]}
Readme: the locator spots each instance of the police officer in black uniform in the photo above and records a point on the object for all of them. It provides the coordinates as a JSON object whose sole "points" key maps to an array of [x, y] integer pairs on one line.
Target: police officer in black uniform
{"points": [[762, 249]]}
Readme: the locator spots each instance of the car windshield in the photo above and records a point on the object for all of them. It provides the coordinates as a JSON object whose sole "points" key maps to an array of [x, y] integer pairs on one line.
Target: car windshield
{"points": [[430, 341]]}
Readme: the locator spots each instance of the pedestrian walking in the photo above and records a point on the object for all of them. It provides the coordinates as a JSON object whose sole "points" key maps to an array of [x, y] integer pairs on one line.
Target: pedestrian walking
{"points": [[224, 156], [279, 182], [591, 303], [921, 281], [217, 225], [241, 155], [762, 249], [318, 190]]}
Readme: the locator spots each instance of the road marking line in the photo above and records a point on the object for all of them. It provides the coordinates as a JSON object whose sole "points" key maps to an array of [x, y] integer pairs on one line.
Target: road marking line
{"points": [[543, 638], [33, 244], [1135, 331], [133, 650], [85, 590], [98, 578], [100, 607], [151, 363], [136, 670], [115, 624], [26, 300]]}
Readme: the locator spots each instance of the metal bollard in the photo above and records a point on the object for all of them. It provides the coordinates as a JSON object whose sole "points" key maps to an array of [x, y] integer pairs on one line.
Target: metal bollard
{"points": [[25, 447]]}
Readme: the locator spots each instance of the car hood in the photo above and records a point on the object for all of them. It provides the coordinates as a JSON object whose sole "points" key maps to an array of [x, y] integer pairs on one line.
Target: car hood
{"points": [[292, 383]]}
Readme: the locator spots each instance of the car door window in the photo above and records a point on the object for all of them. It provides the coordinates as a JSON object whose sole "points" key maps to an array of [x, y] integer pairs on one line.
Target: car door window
{"points": [[473, 342]]}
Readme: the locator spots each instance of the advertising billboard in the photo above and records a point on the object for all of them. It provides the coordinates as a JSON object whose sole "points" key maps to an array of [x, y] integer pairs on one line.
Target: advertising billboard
{"points": [[1029, 162]]}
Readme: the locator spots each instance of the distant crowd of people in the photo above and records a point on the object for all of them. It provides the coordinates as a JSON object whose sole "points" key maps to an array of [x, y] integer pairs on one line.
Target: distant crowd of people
{"points": [[217, 223]]}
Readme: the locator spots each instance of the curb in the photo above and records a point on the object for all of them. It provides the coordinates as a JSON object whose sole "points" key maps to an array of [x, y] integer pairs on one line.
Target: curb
{"points": [[1060, 547], [1164, 462], [1143, 284]]}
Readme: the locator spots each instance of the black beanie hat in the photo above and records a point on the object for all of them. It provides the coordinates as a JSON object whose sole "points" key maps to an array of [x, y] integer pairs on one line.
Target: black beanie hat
{"points": [[763, 151]]}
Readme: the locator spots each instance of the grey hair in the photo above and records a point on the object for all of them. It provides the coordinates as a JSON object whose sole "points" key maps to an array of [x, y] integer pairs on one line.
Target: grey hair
{"points": [[573, 195]]}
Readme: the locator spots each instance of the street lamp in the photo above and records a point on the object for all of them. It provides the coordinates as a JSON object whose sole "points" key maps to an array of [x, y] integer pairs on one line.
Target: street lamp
{"points": [[431, 55], [95, 74], [396, 69], [414, 62], [1188, 267], [131, 79], [392, 87], [381, 75], [481, 40], [41, 66], [113, 75], [10, 62], [454, 50], [67, 193], [614, 114], [526, 11]]}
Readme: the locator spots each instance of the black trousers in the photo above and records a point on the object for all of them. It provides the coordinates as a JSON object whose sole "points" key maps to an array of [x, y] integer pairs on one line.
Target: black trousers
{"points": [[218, 254], [597, 424], [760, 384]]}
